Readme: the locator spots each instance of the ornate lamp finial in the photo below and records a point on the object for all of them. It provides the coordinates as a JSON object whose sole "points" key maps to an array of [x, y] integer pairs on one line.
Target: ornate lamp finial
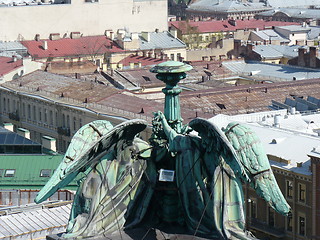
{"points": [[171, 73]]}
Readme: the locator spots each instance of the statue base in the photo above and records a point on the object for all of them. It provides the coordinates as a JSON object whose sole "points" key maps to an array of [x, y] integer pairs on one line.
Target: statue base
{"points": [[142, 233]]}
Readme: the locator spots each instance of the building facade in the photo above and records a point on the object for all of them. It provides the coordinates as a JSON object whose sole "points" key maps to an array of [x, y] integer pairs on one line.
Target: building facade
{"points": [[57, 106], [86, 17]]}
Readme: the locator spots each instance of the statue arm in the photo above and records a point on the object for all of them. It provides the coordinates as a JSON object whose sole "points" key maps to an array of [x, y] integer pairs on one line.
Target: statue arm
{"points": [[169, 132]]}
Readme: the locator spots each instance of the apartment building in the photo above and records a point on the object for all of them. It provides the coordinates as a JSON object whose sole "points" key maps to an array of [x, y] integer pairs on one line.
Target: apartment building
{"points": [[200, 34], [53, 105], [26, 22]]}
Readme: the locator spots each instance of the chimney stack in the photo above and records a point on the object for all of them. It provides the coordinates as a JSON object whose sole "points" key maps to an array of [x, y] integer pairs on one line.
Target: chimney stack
{"points": [[45, 45], [23, 132], [8, 126], [313, 57], [49, 143], [301, 62], [54, 36], [75, 35], [37, 37]]}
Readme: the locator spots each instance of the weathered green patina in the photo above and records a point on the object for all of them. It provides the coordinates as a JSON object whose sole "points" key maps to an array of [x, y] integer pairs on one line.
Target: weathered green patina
{"points": [[122, 189]]}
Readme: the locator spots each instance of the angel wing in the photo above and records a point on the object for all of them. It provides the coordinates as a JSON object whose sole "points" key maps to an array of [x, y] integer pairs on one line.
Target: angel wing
{"points": [[216, 143], [107, 155], [224, 171], [89, 144], [256, 164]]}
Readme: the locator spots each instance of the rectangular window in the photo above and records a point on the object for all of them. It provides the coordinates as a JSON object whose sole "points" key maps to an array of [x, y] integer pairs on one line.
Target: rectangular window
{"points": [[270, 217], [302, 192], [40, 117], [172, 57], [179, 57], [74, 124], [289, 223], [302, 225], [45, 173], [51, 117], [29, 111], [23, 110], [289, 186], [253, 208], [45, 116], [34, 113], [9, 173], [4, 105]]}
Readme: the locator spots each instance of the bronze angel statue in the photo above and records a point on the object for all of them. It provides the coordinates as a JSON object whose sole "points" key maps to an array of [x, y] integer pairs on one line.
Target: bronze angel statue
{"points": [[188, 175]]}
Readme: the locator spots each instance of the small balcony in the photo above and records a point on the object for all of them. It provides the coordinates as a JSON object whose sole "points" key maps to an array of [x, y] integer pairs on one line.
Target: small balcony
{"points": [[64, 131], [264, 227], [14, 116]]}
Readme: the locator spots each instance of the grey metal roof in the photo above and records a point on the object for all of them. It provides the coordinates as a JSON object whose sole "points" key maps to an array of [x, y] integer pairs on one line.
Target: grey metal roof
{"points": [[267, 52], [27, 222], [160, 40], [276, 51], [292, 3], [271, 72], [293, 12], [270, 34], [226, 6], [294, 28], [12, 46], [314, 33], [10, 54]]}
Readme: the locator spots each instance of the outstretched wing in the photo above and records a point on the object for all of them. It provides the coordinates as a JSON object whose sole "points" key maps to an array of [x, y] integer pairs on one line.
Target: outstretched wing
{"points": [[256, 164], [224, 171], [217, 144], [89, 144]]}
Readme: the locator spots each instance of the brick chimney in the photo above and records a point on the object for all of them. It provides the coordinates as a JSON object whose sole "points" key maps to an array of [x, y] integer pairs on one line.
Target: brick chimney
{"points": [[249, 48], [313, 54], [236, 47], [301, 53]]}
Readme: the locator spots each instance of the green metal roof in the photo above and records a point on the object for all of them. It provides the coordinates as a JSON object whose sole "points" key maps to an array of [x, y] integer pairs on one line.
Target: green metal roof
{"points": [[27, 171]]}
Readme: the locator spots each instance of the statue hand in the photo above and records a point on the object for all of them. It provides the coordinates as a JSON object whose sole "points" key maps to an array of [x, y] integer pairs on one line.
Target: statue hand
{"points": [[159, 116]]}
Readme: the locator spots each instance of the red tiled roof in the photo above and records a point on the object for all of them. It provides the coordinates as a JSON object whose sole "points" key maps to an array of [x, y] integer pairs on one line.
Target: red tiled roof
{"points": [[71, 47], [145, 61], [224, 25], [7, 65]]}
